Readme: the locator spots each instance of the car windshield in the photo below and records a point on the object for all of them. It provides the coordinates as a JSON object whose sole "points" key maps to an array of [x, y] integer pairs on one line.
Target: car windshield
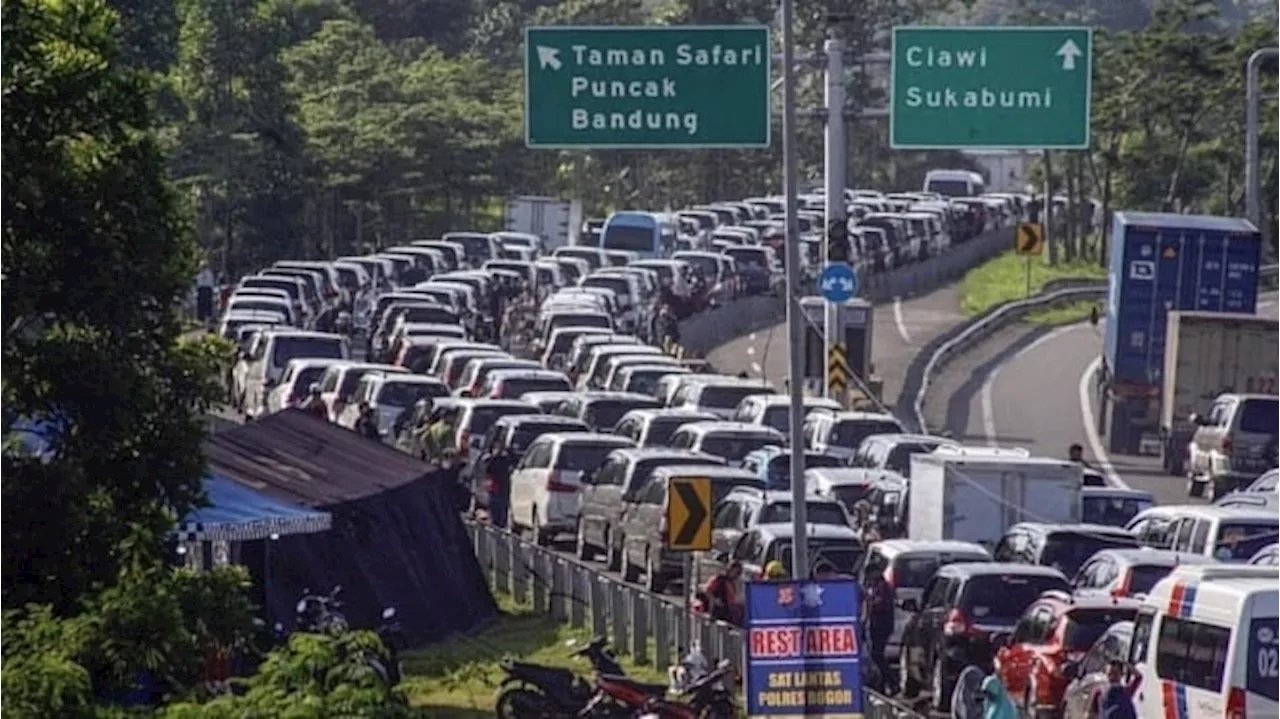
{"points": [[1067, 551], [303, 380], [1111, 511], [513, 387], [483, 417], [644, 381], [899, 459], [583, 457], [1143, 577], [748, 257], [850, 432], [733, 447], [661, 429], [404, 394], [288, 348], [780, 467], [1239, 542], [429, 315], [1086, 626], [1001, 598], [911, 571], [726, 396], [634, 239], [841, 555], [605, 413], [701, 264], [475, 248], [949, 188], [817, 513], [1260, 416], [526, 432]]}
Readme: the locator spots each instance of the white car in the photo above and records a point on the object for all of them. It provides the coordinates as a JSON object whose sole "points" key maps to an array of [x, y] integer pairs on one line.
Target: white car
{"points": [[297, 379], [546, 481]]}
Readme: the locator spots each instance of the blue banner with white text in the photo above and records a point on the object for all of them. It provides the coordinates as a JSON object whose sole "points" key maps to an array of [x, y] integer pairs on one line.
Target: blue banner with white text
{"points": [[804, 649]]}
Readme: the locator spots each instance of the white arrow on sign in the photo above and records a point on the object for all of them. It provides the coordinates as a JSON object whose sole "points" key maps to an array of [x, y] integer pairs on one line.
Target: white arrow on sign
{"points": [[1068, 52], [550, 57]]}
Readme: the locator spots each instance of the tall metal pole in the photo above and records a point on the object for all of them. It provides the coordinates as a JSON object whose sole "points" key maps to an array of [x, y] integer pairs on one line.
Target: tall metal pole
{"points": [[795, 313], [837, 213], [1252, 181]]}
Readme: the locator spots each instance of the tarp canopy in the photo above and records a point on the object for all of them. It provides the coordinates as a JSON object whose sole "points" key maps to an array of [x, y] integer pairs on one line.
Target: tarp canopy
{"points": [[240, 514]]}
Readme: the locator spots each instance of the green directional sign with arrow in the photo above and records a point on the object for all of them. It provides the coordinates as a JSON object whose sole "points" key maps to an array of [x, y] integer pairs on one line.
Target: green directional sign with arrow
{"points": [[689, 514]]}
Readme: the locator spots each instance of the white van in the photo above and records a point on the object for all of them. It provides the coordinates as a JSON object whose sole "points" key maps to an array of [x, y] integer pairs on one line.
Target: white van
{"points": [[954, 183], [1227, 534], [1205, 644]]}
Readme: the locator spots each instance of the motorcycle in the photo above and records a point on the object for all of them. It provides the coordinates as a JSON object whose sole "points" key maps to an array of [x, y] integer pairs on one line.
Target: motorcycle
{"points": [[320, 613], [534, 691], [389, 666], [707, 699]]}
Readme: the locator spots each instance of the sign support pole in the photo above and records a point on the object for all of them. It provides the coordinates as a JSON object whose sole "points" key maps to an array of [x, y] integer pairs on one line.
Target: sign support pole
{"points": [[1028, 275], [690, 586], [836, 159], [795, 313]]}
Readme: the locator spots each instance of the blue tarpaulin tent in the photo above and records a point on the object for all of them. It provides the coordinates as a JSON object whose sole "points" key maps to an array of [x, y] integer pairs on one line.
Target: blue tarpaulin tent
{"points": [[241, 514]]}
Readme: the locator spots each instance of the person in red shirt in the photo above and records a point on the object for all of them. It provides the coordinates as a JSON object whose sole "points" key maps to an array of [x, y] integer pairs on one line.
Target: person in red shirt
{"points": [[722, 593]]}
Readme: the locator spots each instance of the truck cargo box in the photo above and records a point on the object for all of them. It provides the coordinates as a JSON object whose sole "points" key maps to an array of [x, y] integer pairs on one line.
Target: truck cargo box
{"points": [[1161, 262]]}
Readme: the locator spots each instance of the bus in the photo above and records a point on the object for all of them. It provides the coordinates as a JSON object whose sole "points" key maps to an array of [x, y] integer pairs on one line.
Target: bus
{"points": [[647, 234]]}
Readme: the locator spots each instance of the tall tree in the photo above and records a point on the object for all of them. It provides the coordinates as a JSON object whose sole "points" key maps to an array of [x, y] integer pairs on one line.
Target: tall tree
{"points": [[95, 258]]}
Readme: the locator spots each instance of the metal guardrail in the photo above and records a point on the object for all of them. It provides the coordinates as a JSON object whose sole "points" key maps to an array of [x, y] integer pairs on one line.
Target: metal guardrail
{"points": [[650, 628], [1056, 292]]}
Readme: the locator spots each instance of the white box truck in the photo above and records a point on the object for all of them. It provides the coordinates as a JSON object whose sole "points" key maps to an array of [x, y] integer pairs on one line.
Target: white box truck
{"points": [[1207, 354], [974, 495]]}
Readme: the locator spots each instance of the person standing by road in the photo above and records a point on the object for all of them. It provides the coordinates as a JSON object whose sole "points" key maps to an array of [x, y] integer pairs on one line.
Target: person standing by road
{"points": [[877, 614], [722, 593], [498, 470], [1116, 701], [367, 423]]}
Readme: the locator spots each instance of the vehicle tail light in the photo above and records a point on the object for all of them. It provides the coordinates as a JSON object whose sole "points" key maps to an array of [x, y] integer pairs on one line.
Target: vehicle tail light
{"points": [[1235, 703], [555, 485], [957, 623], [1122, 589], [1226, 445], [891, 578]]}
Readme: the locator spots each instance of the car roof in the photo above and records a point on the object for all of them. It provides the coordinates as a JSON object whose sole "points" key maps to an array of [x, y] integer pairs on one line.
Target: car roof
{"points": [[650, 413], [546, 419], [785, 530], [1116, 493], [894, 547], [703, 470], [408, 378], [641, 453], [1157, 557], [296, 333], [1076, 528], [990, 568], [854, 475], [596, 438], [708, 426]]}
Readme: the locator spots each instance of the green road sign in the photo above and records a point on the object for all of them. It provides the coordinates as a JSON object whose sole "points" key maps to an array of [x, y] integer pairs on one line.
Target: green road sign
{"points": [[991, 87], [647, 87]]}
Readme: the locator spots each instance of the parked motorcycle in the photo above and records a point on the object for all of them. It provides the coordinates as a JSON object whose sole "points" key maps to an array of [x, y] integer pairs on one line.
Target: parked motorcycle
{"points": [[707, 698], [534, 691], [389, 667], [320, 613]]}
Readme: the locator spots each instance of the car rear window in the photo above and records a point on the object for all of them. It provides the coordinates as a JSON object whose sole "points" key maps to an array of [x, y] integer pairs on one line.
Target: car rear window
{"points": [[303, 381], [706, 266], [404, 394], [1239, 541], [780, 467], [899, 459], [911, 571], [1067, 551], [645, 381], [513, 387], [851, 494], [748, 257], [1086, 626], [661, 429], [526, 432], [587, 319], [483, 417], [430, 315], [607, 412], [288, 348], [475, 249], [817, 513], [726, 397], [1111, 511], [1260, 416], [850, 433], [734, 447], [842, 556], [1001, 598], [1142, 577], [582, 457]]}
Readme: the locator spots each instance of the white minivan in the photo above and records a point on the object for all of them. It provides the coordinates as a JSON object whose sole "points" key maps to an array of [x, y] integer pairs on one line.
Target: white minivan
{"points": [[546, 481]]}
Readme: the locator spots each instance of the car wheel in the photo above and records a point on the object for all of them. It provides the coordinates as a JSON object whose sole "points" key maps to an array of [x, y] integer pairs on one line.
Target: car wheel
{"points": [[613, 559], [941, 690], [909, 687], [585, 551]]}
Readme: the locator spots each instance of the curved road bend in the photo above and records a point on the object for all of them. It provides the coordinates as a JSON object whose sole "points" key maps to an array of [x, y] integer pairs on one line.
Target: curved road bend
{"points": [[1035, 391], [900, 329]]}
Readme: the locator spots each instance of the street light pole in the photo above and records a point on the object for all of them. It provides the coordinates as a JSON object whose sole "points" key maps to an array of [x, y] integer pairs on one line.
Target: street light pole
{"points": [[795, 313], [1252, 181]]}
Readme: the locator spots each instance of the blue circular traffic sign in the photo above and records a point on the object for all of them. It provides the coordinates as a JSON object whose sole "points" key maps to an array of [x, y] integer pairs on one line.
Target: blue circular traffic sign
{"points": [[838, 283]]}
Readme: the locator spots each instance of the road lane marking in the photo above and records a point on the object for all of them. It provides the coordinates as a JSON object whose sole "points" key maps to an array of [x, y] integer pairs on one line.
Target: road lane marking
{"points": [[897, 320], [988, 385], [1091, 427]]}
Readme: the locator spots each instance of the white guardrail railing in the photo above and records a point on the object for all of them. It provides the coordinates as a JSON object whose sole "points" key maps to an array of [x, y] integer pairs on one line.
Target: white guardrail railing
{"points": [[1056, 293]]}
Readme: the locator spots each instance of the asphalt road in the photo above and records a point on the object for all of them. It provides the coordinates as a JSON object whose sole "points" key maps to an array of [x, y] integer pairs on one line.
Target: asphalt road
{"points": [[1031, 387], [900, 329]]}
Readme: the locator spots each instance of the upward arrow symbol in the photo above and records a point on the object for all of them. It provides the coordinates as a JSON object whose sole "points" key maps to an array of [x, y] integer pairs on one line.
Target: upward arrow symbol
{"points": [[1069, 52], [548, 57]]}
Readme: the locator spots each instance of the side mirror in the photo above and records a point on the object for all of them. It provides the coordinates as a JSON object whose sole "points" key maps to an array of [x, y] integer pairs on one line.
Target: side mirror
{"points": [[465, 393], [909, 605]]}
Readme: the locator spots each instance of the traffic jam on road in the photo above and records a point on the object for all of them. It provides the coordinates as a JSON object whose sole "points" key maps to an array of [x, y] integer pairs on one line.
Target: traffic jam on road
{"points": [[550, 382]]}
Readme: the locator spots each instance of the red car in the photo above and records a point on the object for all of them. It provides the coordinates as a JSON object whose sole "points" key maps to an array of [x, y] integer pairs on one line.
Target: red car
{"points": [[1056, 629]]}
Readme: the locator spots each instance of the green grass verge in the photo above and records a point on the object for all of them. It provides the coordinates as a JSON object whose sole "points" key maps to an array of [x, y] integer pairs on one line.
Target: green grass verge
{"points": [[1004, 278], [1064, 315], [459, 678]]}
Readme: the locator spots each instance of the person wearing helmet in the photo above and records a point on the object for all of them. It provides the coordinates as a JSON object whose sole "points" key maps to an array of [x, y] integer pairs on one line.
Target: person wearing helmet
{"points": [[774, 571], [314, 403]]}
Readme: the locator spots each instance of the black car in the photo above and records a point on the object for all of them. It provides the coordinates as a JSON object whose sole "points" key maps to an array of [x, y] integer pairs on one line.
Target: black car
{"points": [[967, 610], [1065, 547]]}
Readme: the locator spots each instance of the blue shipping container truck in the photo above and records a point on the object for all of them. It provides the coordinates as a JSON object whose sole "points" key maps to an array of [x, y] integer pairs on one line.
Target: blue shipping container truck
{"points": [[1161, 262]]}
